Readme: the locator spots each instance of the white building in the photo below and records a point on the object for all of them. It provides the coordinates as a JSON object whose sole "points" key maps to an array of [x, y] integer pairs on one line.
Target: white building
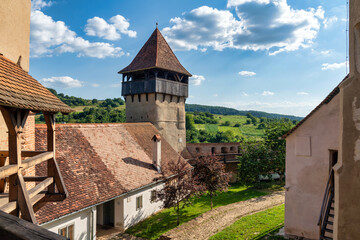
{"points": [[109, 171]]}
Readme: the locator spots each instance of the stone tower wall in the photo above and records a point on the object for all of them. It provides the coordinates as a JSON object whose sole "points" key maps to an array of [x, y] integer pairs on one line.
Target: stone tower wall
{"points": [[166, 112]]}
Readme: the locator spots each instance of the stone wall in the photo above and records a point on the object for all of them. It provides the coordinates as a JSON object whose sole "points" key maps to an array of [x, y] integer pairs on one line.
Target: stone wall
{"points": [[212, 148], [166, 112]]}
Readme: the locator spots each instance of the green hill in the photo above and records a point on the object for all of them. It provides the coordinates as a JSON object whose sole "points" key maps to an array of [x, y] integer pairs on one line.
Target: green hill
{"points": [[232, 111]]}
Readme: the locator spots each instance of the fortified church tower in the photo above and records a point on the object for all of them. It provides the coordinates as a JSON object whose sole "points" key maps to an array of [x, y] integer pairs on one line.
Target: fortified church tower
{"points": [[155, 87]]}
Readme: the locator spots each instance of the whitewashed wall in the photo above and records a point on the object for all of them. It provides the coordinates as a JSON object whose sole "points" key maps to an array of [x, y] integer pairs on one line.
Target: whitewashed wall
{"points": [[127, 206], [81, 221]]}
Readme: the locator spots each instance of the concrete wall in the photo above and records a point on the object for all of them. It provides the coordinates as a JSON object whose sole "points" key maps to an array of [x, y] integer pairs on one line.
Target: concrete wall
{"points": [[81, 221], [307, 169], [166, 112], [15, 30]]}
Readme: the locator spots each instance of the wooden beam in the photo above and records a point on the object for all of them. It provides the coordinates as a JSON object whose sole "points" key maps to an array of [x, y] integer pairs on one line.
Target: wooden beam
{"points": [[15, 120], [32, 161], [35, 178], [9, 207], [50, 123], [8, 170], [12, 228], [3, 161], [4, 153], [40, 187], [59, 181], [24, 203]]}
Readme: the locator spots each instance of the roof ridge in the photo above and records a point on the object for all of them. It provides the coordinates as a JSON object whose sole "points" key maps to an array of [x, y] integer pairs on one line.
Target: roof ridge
{"points": [[157, 46]]}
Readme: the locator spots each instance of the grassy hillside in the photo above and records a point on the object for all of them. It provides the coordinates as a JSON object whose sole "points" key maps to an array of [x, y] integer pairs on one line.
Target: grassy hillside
{"points": [[245, 130], [232, 111], [210, 123]]}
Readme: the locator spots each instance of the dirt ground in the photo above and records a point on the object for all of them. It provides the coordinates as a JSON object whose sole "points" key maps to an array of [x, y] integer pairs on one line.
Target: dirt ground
{"points": [[216, 220]]}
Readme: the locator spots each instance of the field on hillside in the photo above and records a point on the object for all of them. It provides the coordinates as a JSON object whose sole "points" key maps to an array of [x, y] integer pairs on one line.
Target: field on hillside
{"points": [[246, 130]]}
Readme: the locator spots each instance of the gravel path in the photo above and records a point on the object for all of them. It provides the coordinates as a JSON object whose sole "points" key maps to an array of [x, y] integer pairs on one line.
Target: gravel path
{"points": [[216, 220]]}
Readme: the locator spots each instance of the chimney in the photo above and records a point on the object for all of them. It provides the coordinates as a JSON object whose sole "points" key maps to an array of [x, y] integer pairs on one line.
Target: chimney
{"points": [[157, 152]]}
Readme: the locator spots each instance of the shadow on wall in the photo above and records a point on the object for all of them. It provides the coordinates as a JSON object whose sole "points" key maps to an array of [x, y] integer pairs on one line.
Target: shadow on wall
{"points": [[137, 162], [132, 220], [82, 237]]}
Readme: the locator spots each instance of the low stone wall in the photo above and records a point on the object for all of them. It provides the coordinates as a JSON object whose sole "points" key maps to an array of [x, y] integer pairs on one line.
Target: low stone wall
{"points": [[212, 148]]}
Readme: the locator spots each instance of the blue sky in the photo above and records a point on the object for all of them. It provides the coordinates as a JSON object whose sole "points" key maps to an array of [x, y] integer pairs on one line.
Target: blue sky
{"points": [[270, 55]]}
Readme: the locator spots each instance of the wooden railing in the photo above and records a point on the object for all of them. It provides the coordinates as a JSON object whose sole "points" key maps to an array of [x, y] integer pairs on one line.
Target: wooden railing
{"points": [[51, 187], [326, 204]]}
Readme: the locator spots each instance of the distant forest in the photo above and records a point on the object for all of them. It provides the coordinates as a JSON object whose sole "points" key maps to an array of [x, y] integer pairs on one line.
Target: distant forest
{"points": [[111, 110], [232, 111]]}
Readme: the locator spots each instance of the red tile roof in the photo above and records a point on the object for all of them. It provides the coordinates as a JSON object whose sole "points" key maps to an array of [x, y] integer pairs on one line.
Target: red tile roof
{"points": [[156, 53], [18, 89], [101, 161], [328, 99]]}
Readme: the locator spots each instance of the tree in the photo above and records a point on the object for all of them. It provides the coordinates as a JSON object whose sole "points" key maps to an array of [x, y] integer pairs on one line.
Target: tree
{"points": [[211, 175], [179, 188], [273, 139], [226, 123], [255, 161]]}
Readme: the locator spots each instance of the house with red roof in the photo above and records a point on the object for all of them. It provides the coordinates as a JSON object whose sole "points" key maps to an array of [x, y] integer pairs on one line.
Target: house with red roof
{"points": [[110, 170]]}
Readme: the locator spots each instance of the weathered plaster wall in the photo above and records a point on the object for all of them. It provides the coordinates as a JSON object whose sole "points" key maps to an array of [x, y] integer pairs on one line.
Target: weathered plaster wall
{"points": [[132, 216], [307, 169], [81, 221], [166, 112], [347, 171], [15, 30]]}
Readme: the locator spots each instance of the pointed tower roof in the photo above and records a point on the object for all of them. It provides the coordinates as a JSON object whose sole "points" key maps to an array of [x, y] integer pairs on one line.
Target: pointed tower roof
{"points": [[156, 53]]}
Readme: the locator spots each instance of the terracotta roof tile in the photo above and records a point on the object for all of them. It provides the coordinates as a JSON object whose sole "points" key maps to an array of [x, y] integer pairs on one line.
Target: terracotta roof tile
{"points": [[18, 89], [156, 53], [101, 161]]}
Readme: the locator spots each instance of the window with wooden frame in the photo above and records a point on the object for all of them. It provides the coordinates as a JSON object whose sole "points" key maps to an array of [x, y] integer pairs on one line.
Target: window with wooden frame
{"points": [[139, 202], [153, 196], [67, 232]]}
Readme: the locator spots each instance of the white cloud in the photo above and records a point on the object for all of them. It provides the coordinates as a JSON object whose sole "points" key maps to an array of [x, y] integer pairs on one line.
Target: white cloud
{"points": [[258, 25], [197, 80], [215, 95], [267, 93], [39, 4], [328, 22], [302, 93], [95, 85], [245, 94], [61, 82], [49, 37], [247, 73], [333, 66], [111, 30]]}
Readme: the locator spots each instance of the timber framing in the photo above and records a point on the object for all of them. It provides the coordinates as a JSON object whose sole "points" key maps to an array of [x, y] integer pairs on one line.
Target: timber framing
{"points": [[19, 200]]}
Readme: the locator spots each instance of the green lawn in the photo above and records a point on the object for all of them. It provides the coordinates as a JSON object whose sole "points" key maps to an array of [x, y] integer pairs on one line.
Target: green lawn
{"points": [[165, 220], [254, 226]]}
